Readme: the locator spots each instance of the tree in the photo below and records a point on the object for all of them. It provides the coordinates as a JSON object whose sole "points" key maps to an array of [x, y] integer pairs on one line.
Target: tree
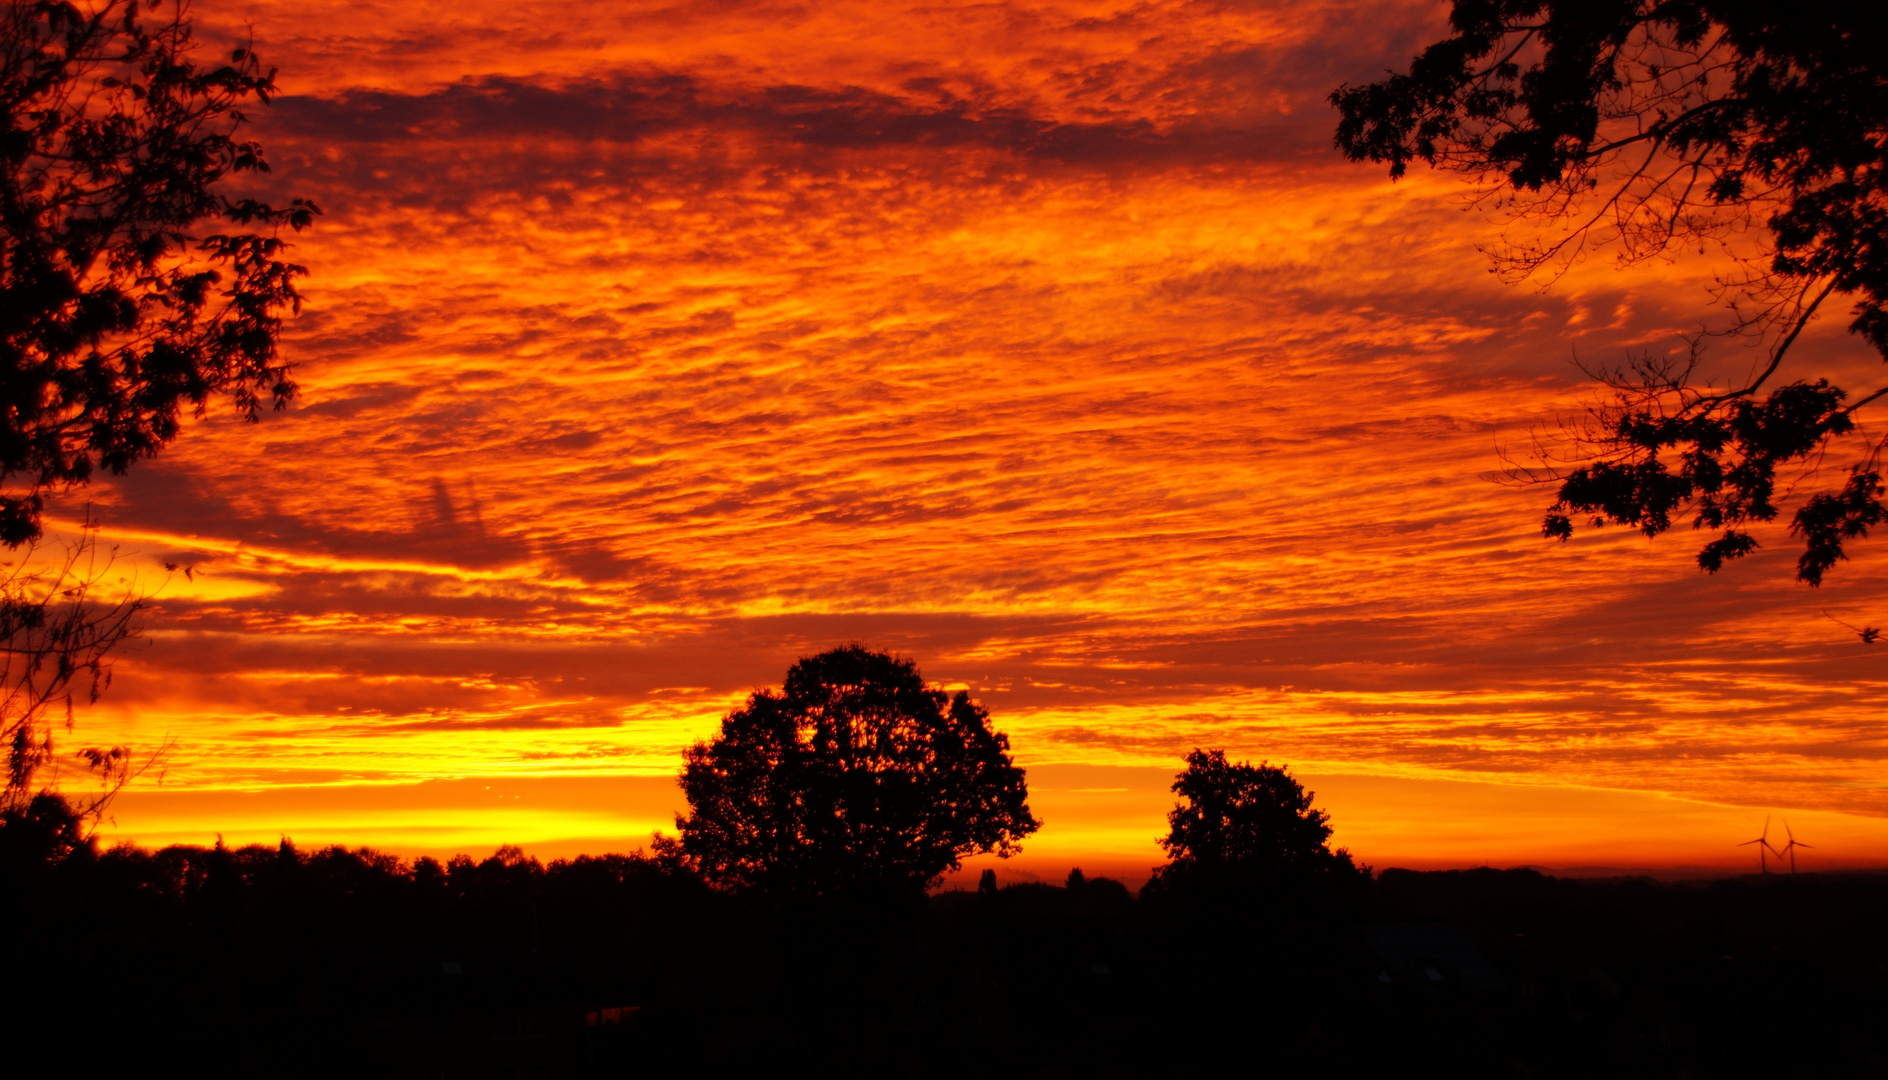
{"points": [[114, 145], [1246, 823], [56, 629], [856, 778], [114, 314], [39, 833], [1651, 125]]}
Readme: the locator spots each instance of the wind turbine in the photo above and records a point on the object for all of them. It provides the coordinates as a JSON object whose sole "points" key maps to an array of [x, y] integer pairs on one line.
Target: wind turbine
{"points": [[1763, 845], [1792, 846]]}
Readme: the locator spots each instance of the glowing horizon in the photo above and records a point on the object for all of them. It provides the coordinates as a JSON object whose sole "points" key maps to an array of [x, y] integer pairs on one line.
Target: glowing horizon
{"points": [[649, 348]]}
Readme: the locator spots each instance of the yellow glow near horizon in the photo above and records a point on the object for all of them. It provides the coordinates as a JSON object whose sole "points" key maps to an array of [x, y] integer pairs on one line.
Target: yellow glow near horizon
{"points": [[650, 348]]}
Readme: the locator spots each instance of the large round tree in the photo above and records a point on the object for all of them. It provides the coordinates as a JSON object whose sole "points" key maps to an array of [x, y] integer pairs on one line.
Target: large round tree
{"points": [[855, 778]]}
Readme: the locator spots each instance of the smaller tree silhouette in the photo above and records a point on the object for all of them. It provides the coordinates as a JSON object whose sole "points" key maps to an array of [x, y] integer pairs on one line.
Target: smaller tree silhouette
{"points": [[856, 778], [1246, 823]]}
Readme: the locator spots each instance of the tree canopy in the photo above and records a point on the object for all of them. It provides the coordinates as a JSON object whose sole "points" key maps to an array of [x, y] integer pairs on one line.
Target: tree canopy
{"points": [[1649, 125], [1245, 821], [115, 313], [855, 778]]}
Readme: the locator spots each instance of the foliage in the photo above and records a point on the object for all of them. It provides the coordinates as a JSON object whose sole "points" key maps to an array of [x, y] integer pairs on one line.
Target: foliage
{"points": [[856, 778], [40, 833], [1245, 821], [56, 635], [114, 145], [1651, 125]]}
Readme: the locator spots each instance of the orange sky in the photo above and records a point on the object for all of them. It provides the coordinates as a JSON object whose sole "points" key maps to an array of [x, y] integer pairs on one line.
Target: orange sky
{"points": [[650, 347]]}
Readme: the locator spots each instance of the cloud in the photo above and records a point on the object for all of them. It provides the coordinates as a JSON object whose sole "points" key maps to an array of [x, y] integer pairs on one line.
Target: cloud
{"points": [[1052, 348]]}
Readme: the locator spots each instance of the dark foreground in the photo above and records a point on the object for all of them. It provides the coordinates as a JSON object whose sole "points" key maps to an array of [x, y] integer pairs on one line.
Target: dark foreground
{"points": [[274, 962]]}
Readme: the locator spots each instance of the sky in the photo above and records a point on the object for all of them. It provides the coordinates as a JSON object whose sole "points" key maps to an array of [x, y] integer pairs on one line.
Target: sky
{"points": [[650, 347]]}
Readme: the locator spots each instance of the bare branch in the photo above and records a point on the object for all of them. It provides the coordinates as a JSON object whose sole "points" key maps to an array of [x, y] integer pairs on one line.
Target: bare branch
{"points": [[57, 636]]}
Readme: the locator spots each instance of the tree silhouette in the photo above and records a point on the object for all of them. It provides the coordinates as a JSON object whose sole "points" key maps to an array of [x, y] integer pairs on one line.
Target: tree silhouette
{"points": [[856, 778], [38, 833], [1245, 823], [114, 146], [1650, 125], [57, 630]]}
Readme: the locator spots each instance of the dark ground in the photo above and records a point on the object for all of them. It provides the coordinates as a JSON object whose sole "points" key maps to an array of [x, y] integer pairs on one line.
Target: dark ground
{"points": [[282, 963]]}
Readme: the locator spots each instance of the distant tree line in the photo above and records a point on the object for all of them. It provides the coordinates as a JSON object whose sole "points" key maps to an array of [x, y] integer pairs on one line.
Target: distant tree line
{"points": [[736, 947], [819, 817], [272, 960]]}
